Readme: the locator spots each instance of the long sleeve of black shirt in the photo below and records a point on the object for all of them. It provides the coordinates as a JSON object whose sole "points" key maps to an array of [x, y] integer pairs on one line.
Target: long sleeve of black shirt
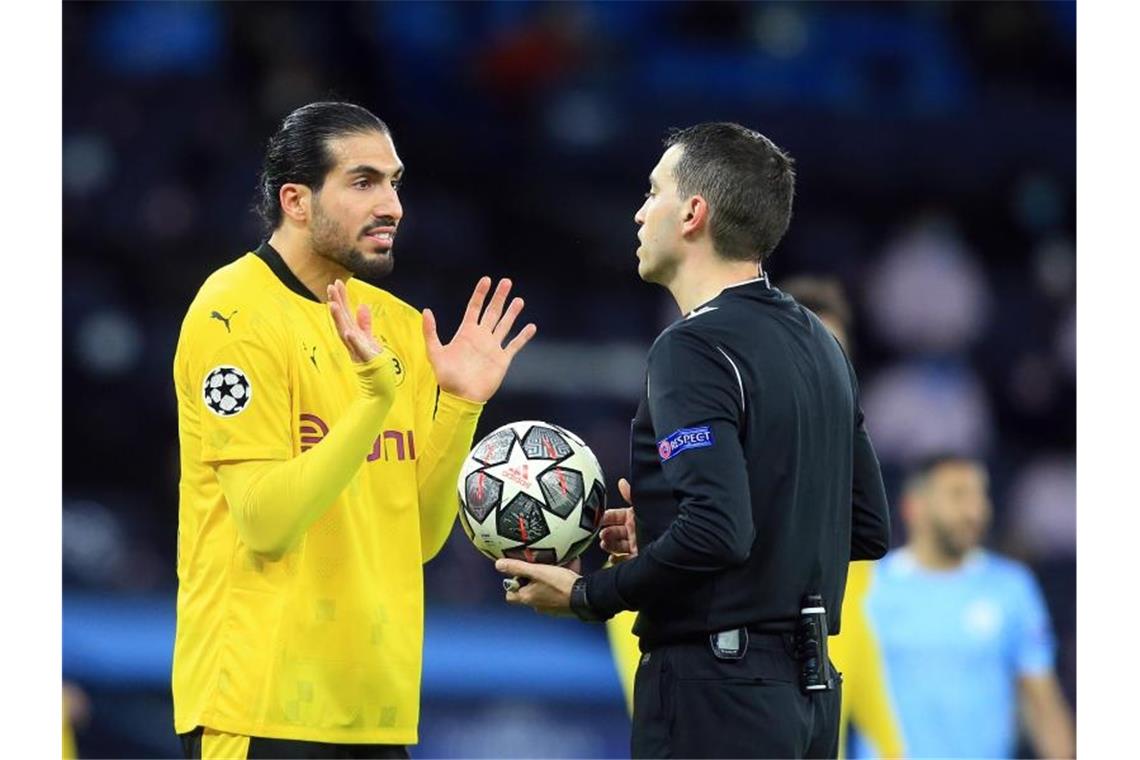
{"points": [[691, 385], [870, 512]]}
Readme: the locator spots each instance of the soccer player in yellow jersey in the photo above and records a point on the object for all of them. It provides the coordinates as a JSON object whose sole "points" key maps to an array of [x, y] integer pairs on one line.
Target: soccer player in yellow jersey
{"points": [[322, 425], [855, 651]]}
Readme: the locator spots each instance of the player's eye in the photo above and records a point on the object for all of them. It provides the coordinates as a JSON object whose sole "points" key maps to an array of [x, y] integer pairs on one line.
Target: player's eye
{"points": [[396, 183], [649, 194]]}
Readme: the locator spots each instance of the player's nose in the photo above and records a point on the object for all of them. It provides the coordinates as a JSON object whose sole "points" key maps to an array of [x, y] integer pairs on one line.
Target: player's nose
{"points": [[389, 206]]}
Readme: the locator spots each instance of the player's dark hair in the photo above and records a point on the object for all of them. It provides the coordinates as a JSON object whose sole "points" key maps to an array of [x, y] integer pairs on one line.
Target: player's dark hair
{"points": [[299, 151], [823, 295], [747, 181], [926, 467]]}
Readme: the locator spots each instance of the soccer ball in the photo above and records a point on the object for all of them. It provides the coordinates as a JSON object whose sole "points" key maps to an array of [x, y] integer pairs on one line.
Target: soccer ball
{"points": [[531, 491]]}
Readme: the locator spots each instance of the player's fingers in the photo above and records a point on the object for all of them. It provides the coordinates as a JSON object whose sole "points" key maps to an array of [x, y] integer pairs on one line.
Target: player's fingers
{"points": [[339, 309], [495, 306], [340, 295], [475, 305], [521, 339], [343, 327], [364, 319], [623, 489], [431, 337], [365, 348], [508, 321]]}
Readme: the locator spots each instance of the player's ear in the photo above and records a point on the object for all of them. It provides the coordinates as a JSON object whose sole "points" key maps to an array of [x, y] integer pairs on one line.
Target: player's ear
{"points": [[295, 200], [694, 214]]}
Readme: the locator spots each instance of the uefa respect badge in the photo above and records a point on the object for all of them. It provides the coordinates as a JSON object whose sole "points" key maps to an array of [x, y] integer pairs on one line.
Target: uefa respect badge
{"points": [[683, 440]]}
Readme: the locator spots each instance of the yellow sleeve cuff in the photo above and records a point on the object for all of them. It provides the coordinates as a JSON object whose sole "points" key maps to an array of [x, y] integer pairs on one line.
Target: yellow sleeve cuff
{"points": [[458, 405]]}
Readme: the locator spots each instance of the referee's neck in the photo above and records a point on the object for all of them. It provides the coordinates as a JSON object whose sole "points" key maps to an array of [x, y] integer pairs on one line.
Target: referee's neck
{"points": [[701, 284]]}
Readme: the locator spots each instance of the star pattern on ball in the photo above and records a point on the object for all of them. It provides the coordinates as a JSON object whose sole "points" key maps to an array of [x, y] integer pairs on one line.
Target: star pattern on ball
{"points": [[563, 532], [519, 474]]}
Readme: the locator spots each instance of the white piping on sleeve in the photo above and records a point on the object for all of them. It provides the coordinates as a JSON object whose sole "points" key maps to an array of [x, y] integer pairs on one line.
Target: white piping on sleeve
{"points": [[737, 371]]}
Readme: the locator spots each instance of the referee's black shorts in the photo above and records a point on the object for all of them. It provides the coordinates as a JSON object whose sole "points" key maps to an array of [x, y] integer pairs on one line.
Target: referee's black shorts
{"points": [[689, 704], [207, 744]]}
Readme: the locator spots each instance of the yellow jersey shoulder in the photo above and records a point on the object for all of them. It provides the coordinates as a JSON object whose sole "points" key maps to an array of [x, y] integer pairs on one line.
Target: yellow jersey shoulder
{"points": [[238, 300]]}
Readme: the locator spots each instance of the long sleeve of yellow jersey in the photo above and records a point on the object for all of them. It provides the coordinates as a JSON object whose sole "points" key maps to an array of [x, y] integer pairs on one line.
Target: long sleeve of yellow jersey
{"points": [[274, 502], [437, 469], [866, 701], [871, 709]]}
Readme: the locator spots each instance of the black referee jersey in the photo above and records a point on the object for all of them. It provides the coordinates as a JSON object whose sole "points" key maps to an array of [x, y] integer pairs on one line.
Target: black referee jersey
{"points": [[753, 479]]}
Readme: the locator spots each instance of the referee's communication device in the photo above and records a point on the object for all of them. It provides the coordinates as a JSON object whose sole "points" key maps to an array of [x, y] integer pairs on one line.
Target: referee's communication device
{"points": [[811, 646]]}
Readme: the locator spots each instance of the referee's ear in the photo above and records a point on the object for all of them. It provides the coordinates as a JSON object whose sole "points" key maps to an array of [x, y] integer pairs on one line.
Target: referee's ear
{"points": [[694, 215], [295, 199]]}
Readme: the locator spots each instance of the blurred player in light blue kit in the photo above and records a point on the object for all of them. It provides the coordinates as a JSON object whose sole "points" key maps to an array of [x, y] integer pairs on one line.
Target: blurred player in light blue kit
{"points": [[964, 631]]}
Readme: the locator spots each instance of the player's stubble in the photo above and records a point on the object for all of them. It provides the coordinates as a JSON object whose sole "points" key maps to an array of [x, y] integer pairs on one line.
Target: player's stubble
{"points": [[331, 241]]}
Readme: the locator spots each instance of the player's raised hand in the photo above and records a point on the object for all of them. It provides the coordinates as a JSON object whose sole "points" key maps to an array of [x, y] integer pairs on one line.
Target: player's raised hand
{"points": [[618, 536], [473, 364], [356, 333]]}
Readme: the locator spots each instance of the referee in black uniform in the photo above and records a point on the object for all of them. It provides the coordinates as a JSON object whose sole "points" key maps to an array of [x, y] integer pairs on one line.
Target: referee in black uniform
{"points": [[754, 480]]}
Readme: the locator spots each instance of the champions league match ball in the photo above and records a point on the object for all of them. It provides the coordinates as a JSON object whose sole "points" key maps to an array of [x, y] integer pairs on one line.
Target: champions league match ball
{"points": [[531, 491]]}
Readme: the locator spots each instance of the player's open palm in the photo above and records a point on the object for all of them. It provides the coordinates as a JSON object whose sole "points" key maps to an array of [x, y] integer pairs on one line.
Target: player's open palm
{"points": [[472, 365]]}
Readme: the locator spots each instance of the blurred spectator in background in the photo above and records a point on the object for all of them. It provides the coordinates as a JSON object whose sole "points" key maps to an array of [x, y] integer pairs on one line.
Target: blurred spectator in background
{"points": [[965, 631], [855, 651], [76, 712]]}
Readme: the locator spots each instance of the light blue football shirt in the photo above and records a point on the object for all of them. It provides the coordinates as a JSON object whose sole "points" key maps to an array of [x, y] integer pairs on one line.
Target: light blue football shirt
{"points": [[954, 643]]}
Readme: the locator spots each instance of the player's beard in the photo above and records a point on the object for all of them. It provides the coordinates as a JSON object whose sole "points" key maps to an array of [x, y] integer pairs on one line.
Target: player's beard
{"points": [[953, 544], [330, 240]]}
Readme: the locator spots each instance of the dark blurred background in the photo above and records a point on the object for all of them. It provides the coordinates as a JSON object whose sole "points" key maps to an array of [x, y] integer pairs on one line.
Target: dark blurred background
{"points": [[936, 156]]}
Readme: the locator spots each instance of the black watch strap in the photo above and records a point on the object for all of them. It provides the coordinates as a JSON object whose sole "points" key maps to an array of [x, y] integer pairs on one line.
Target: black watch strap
{"points": [[580, 604]]}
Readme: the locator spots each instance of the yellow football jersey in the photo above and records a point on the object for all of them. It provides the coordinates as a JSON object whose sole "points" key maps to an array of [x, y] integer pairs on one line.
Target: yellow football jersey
{"points": [[325, 643], [855, 653], [626, 651]]}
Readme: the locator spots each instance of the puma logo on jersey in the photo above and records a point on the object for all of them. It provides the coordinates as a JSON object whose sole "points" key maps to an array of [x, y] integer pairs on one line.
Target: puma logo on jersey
{"points": [[224, 320], [312, 352]]}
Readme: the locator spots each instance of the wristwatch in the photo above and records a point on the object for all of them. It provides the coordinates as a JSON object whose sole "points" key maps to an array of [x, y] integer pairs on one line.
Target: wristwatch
{"points": [[580, 604]]}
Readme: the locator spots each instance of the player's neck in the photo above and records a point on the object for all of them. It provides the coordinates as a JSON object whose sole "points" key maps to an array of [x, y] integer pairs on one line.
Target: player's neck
{"points": [[705, 280], [315, 272], [929, 557]]}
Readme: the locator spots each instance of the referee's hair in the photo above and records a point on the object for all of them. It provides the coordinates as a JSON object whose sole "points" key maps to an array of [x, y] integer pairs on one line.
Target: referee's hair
{"points": [[299, 151], [919, 474], [747, 181]]}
